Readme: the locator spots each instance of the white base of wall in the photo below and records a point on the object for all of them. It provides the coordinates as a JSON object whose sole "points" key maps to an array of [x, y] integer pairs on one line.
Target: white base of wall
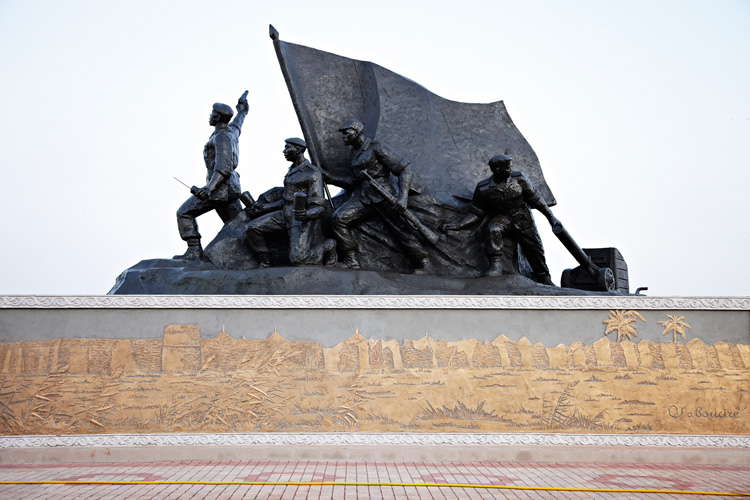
{"points": [[608, 448]]}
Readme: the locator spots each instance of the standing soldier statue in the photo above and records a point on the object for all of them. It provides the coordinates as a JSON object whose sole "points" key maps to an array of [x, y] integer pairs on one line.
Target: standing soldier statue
{"points": [[373, 163], [505, 198], [298, 214], [222, 191]]}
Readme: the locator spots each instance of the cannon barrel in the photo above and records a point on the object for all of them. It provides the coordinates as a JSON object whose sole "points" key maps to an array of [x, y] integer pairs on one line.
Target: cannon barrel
{"points": [[603, 277], [566, 239]]}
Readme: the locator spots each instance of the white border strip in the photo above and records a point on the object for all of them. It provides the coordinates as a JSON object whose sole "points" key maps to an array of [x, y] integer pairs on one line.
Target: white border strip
{"points": [[357, 439], [368, 302]]}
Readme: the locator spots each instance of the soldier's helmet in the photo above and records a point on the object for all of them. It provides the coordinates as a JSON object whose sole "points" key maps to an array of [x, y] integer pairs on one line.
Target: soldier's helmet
{"points": [[296, 141], [499, 161], [352, 124], [224, 111]]}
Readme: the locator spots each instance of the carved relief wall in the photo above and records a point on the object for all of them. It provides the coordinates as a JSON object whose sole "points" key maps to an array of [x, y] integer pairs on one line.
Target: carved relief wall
{"points": [[197, 381]]}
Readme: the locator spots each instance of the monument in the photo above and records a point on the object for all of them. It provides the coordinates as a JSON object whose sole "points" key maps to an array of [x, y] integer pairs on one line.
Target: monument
{"points": [[416, 213], [414, 308]]}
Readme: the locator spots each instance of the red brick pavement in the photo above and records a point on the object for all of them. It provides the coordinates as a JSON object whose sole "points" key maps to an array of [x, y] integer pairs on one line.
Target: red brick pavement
{"points": [[697, 478]]}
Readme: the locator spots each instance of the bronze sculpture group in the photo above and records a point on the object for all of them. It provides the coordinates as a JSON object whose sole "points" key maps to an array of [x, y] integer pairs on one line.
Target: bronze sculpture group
{"points": [[417, 212], [321, 233]]}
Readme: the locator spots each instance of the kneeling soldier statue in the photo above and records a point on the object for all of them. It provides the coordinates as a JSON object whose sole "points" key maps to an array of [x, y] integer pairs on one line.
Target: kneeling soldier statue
{"points": [[299, 214]]}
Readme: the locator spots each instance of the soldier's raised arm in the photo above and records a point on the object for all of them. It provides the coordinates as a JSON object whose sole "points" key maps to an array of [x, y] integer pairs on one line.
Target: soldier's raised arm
{"points": [[242, 109]]}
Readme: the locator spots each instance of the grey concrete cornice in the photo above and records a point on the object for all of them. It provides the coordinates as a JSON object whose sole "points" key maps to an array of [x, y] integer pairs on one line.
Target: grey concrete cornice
{"points": [[368, 302]]}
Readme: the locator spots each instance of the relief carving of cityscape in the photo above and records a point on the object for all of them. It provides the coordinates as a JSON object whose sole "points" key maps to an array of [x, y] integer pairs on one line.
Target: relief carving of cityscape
{"points": [[184, 382]]}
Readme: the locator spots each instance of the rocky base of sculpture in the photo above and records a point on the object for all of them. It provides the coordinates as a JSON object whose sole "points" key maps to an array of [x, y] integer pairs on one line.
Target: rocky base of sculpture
{"points": [[175, 277]]}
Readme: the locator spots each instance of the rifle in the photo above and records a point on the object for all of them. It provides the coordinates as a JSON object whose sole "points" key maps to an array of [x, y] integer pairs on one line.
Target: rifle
{"points": [[192, 189], [412, 219]]}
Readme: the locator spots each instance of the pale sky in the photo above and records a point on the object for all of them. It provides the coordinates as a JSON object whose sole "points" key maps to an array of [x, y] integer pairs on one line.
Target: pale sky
{"points": [[639, 112]]}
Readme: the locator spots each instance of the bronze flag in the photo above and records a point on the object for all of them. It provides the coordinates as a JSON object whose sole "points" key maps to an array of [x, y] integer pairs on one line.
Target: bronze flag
{"points": [[447, 142]]}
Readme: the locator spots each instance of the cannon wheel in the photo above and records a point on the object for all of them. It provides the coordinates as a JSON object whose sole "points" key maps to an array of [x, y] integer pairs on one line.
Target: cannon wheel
{"points": [[605, 280], [565, 280]]}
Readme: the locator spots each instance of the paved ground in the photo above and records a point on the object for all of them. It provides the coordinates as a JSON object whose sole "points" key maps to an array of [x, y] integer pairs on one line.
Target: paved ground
{"points": [[706, 478]]}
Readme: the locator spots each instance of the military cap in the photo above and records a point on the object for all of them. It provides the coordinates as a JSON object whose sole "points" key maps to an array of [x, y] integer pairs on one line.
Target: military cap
{"points": [[296, 141], [352, 124], [499, 159], [223, 109]]}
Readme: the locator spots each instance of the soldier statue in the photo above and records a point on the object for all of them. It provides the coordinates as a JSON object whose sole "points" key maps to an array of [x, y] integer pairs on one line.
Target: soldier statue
{"points": [[373, 193], [222, 189], [298, 213], [505, 199]]}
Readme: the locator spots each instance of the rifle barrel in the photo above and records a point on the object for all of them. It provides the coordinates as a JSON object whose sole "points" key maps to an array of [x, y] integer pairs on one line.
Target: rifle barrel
{"points": [[178, 180], [412, 219]]}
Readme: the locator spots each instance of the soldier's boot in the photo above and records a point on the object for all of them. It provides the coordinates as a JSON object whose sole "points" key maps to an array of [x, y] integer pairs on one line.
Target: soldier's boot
{"points": [[329, 253], [265, 260], [351, 260], [424, 267], [496, 266], [194, 251], [544, 279]]}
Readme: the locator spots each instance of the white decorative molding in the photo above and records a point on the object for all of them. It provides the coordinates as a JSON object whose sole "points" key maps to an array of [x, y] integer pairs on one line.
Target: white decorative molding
{"points": [[357, 439], [369, 302]]}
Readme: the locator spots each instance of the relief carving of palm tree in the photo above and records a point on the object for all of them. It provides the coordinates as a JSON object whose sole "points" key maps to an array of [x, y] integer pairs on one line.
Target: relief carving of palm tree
{"points": [[674, 324], [622, 322]]}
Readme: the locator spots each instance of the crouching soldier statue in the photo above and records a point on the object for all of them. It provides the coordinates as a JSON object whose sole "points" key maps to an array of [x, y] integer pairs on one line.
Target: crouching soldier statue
{"points": [[373, 164], [505, 199], [222, 190], [298, 214]]}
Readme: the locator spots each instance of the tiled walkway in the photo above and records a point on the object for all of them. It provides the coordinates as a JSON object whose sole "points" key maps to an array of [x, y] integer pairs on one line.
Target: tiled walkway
{"points": [[695, 478]]}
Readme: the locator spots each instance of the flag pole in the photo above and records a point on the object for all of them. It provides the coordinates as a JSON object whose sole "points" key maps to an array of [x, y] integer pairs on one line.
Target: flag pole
{"points": [[312, 143]]}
